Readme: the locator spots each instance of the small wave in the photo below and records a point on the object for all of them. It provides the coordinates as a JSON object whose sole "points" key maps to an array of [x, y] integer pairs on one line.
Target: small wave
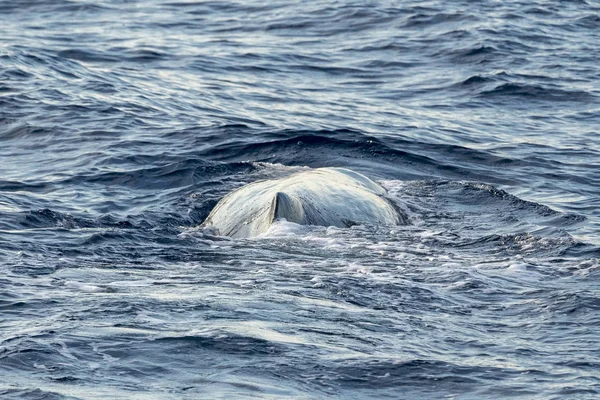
{"points": [[490, 190], [421, 20], [17, 186], [142, 55], [113, 55], [36, 394], [475, 80], [387, 64], [591, 21], [70, 6], [570, 302], [49, 6], [47, 218], [524, 243], [302, 148], [15, 74], [385, 46], [537, 92], [479, 54], [373, 372], [226, 341], [176, 174], [86, 56]]}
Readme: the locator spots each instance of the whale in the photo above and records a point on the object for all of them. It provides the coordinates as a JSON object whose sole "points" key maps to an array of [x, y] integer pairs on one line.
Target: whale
{"points": [[336, 197]]}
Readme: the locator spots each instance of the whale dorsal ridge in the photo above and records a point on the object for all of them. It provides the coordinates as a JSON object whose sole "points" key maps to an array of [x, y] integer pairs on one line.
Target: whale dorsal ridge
{"points": [[289, 207]]}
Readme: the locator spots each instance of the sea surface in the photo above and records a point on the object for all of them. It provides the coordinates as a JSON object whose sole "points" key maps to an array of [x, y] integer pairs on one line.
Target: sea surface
{"points": [[123, 122]]}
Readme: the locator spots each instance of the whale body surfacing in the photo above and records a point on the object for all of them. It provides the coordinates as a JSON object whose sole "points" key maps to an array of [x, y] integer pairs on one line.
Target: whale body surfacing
{"points": [[324, 196]]}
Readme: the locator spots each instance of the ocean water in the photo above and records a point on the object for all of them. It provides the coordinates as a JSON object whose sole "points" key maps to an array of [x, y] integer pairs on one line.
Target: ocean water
{"points": [[123, 122]]}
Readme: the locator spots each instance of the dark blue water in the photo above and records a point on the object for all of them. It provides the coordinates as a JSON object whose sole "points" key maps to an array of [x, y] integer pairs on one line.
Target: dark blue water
{"points": [[122, 123]]}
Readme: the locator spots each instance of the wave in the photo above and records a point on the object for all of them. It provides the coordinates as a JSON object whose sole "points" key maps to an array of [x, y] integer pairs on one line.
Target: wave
{"points": [[537, 92], [49, 6], [114, 55]]}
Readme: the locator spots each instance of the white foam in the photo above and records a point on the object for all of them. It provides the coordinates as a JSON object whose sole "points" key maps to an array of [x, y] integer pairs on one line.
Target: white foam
{"points": [[84, 287], [5, 207], [360, 269], [517, 267], [283, 228]]}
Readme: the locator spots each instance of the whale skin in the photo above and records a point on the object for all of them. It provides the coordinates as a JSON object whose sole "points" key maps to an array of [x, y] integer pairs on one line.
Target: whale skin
{"points": [[323, 196]]}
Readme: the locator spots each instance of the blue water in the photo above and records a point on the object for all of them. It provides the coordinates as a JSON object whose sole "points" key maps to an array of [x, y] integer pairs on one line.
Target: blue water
{"points": [[122, 123]]}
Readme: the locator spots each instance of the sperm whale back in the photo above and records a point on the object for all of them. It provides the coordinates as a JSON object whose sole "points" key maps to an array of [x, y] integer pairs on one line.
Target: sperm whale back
{"points": [[324, 196]]}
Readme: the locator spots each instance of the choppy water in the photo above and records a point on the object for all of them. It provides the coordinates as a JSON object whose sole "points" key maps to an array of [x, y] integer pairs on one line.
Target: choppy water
{"points": [[123, 122]]}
